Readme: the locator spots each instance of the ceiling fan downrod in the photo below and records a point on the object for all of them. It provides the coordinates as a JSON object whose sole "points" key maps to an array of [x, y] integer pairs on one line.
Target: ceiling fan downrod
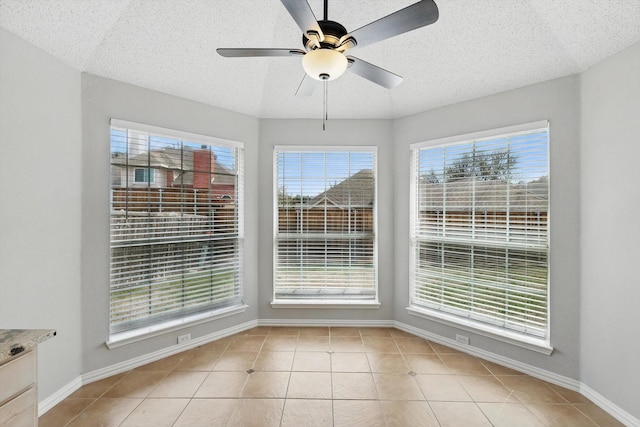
{"points": [[325, 113]]}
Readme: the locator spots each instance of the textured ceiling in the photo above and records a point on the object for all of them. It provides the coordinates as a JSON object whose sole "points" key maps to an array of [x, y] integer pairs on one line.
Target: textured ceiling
{"points": [[476, 48]]}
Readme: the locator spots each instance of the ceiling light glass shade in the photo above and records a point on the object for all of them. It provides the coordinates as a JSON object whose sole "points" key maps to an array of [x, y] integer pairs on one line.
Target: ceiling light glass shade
{"points": [[324, 64]]}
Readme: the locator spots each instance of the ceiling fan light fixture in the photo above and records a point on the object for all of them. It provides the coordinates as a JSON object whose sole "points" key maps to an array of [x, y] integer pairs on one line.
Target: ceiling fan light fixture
{"points": [[324, 64]]}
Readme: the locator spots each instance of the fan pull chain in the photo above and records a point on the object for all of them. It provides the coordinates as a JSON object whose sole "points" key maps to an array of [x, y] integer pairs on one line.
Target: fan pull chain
{"points": [[325, 115]]}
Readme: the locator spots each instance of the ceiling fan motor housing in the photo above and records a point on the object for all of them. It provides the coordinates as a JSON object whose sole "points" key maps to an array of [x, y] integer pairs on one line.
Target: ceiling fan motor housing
{"points": [[333, 32]]}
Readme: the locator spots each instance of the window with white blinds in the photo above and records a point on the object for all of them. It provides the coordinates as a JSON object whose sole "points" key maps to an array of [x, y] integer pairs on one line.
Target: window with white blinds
{"points": [[325, 224], [479, 228], [176, 224]]}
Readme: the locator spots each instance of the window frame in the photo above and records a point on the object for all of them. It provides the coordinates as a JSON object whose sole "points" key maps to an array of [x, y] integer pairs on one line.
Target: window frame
{"points": [[534, 343], [177, 319], [279, 302], [148, 176]]}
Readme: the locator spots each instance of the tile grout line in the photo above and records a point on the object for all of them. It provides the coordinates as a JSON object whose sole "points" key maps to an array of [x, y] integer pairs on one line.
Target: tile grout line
{"points": [[286, 392]]}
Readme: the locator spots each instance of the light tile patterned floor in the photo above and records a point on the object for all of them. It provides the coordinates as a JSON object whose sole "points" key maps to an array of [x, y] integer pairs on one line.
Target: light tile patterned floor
{"points": [[286, 376]]}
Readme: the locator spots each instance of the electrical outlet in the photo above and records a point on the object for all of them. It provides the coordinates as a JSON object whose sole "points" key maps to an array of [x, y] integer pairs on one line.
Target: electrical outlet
{"points": [[462, 339], [184, 338]]}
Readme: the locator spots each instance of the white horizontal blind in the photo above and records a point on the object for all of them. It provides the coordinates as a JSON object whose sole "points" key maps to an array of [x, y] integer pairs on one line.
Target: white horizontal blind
{"points": [[480, 229], [325, 240], [176, 239]]}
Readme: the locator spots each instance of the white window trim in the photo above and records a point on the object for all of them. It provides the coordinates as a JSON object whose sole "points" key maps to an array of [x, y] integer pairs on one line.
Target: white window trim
{"points": [[500, 334], [319, 303], [316, 148], [118, 339], [150, 172], [481, 134], [300, 303], [172, 133]]}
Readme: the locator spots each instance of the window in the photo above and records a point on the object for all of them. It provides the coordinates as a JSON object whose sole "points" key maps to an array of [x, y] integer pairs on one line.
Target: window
{"points": [[325, 224], [146, 176], [176, 246], [479, 232]]}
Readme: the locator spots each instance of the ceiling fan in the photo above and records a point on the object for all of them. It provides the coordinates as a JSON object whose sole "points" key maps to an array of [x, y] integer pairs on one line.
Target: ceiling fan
{"points": [[325, 43]]}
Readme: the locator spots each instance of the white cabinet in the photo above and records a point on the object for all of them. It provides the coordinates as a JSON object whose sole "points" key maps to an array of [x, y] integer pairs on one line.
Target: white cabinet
{"points": [[18, 397]]}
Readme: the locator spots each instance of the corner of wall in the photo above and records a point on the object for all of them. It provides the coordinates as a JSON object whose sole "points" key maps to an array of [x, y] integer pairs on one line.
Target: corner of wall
{"points": [[610, 107]]}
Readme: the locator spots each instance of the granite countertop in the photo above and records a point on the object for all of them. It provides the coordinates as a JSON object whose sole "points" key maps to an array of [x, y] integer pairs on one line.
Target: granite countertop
{"points": [[16, 341]]}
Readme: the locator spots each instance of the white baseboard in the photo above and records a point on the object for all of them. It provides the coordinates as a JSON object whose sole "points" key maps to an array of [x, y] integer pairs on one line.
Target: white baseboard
{"points": [[536, 372], [64, 392], [614, 410], [570, 383], [160, 354], [327, 322], [566, 382], [59, 395]]}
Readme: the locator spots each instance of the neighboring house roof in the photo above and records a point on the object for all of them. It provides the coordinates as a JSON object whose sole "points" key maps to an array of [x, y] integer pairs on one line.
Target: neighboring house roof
{"points": [[357, 190], [489, 196], [177, 160], [165, 158]]}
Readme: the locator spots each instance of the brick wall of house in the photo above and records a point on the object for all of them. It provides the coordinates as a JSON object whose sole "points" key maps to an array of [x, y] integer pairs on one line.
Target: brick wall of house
{"points": [[168, 177], [203, 164]]}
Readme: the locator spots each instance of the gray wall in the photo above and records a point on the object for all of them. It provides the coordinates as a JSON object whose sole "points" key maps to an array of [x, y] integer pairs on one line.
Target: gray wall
{"points": [[40, 186], [338, 132], [559, 102], [103, 99], [610, 208]]}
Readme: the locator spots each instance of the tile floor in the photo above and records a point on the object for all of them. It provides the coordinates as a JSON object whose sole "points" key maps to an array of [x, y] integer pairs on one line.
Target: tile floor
{"points": [[287, 376]]}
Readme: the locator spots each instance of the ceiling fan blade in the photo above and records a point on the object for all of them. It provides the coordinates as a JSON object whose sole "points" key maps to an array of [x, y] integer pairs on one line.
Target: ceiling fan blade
{"points": [[249, 52], [417, 15], [301, 12], [373, 73], [307, 86]]}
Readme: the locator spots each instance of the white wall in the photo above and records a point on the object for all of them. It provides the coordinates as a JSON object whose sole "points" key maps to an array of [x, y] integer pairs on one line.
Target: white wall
{"points": [[40, 188], [610, 208], [559, 102], [338, 132], [103, 99]]}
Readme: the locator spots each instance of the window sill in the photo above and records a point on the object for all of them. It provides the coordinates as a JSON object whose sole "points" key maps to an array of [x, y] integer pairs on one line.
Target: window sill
{"points": [[530, 343], [127, 337], [329, 303]]}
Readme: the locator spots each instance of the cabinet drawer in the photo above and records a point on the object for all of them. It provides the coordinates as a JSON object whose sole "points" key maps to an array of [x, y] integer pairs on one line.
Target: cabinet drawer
{"points": [[17, 375], [20, 411]]}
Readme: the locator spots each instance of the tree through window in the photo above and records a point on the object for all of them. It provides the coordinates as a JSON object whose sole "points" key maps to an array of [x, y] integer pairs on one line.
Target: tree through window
{"points": [[479, 228]]}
